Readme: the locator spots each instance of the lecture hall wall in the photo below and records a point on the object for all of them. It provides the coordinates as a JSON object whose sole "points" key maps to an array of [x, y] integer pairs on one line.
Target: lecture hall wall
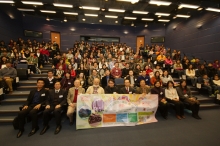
{"points": [[68, 37], [193, 40]]}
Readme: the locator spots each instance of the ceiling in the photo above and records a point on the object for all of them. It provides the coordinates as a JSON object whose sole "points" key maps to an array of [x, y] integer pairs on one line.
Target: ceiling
{"points": [[142, 5]]}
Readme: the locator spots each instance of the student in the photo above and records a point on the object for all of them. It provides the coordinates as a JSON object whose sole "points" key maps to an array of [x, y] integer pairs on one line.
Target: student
{"points": [[155, 78], [191, 74], [111, 89], [207, 84], [186, 97], [173, 98], [178, 68], [163, 105]]}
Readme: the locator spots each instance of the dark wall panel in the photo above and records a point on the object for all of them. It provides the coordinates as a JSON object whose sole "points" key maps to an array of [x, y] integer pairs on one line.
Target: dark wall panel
{"points": [[68, 37], [202, 42]]}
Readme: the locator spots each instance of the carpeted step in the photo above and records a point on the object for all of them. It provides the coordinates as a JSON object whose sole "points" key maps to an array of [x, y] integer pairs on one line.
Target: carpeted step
{"points": [[17, 94], [209, 106], [26, 88], [14, 101], [43, 75], [28, 83], [204, 99], [9, 110], [7, 119]]}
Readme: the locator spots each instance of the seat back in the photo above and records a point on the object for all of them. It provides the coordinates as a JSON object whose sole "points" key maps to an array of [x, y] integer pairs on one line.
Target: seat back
{"points": [[23, 66], [119, 81]]}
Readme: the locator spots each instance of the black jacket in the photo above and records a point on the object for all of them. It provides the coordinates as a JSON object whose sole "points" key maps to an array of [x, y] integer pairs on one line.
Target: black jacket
{"points": [[104, 82], [124, 91], [43, 97], [109, 90], [50, 84], [62, 97]]}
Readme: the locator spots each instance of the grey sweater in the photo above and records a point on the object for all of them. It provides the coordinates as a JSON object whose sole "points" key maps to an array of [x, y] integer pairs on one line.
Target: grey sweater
{"points": [[8, 72]]}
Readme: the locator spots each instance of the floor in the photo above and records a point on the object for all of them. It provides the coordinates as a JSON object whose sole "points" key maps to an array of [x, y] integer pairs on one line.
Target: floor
{"points": [[187, 132]]}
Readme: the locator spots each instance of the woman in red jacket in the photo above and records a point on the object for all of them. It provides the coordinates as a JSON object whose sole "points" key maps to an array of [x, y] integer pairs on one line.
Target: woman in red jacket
{"points": [[71, 71], [46, 54]]}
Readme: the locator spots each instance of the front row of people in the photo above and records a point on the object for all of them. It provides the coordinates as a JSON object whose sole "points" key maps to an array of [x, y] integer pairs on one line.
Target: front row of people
{"points": [[55, 99]]}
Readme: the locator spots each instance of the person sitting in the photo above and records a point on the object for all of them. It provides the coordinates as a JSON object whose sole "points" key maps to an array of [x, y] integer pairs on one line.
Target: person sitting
{"points": [[50, 80], [168, 63], [133, 79], [111, 88], [149, 71], [216, 64], [178, 68], [166, 77], [191, 74], [116, 71], [56, 60], [173, 98], [125, 71], [127, 89], [149, 63], [61, 63], [144, 77], [92, 77], [155, 78], [202, 71], [40, 59], [54, 103], [105, 79], [36, 98], [216, 83], [67, 82], [72, 99], [157, 68], [45, 54], [185, 96], [82, 79], [95, 88], [208, 85], [7, 75], [59, 73], [143, 89], [71, 71], [161, 58], [32, 62], [163, 105], [137, 70]]}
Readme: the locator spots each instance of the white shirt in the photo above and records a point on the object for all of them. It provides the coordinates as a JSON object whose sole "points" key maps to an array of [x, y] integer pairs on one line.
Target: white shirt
{"points": [[166, 79], [171, 93], [216, 82], [190, 73]]}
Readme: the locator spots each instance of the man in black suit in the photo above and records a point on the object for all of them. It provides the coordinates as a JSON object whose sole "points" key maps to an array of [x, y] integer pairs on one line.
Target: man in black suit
{"points": [[33, 105], [50, 80], [105, 79], [127, 89], [133, 79], [111, 89], [55, 102]]}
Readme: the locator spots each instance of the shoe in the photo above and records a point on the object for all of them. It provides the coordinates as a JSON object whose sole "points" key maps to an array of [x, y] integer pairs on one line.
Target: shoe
{"points": [[71, 123], [33, 131], [212, 95], [178, 117], [196, 117], [20, 132], [57, 129], [183, 117], [44, 130]]}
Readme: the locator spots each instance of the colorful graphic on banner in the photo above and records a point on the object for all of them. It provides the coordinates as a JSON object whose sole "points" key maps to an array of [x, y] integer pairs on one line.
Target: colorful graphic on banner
{"points": [[107, 110]]}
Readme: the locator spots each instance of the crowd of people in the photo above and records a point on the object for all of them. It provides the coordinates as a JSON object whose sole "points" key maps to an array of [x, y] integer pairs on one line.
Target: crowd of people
{"points": [[97, 68]]}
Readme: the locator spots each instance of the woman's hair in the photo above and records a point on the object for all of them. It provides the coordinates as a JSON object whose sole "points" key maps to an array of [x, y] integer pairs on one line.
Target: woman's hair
{"points": [[169, 83], [156, 83], [181, 84], [167, 73], [156, 73]]}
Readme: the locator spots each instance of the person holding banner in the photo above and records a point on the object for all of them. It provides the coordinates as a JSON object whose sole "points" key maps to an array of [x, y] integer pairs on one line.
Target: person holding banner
{"points": [[72, 99], [163, 105], [111, 89], [95, 88], [143, 89], [173, 98], [127, 89]]}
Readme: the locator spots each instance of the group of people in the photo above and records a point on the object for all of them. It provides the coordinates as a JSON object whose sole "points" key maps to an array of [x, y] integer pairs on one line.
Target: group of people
{"points": [[97, 68]]}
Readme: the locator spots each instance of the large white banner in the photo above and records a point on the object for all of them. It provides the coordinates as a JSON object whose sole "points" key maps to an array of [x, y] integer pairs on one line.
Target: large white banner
{"points": [[105, 110]]}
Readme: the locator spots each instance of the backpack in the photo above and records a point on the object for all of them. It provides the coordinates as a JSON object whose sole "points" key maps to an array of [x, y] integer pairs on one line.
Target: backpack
{"points": [[98, 105]]}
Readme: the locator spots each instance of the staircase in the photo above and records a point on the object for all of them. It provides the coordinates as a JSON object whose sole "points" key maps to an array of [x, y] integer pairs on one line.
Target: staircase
{"points": [[10, 105], [11, 102]]}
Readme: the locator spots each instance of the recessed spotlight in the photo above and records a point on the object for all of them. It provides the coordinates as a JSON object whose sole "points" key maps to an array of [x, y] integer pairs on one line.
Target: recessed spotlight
{"points": [[116, 21], [65, 20], [48, 19], [83, 19], [100, 20]]}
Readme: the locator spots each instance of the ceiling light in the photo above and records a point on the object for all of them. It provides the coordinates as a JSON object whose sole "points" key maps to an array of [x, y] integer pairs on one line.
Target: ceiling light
{"points": [[116, 10], [93, 15], [140, 12], [145, 25], [162, 14], [213, 9], [32, 3], [133, 18], [65, 20], [183, 16], [47, 18], [159, 3], [188, 6], [46, 11], [131, 1], [63, 5], [132, 24], [199, 9], [116, 21], [147, 19], [110, 16], [7, 2], [103, 9], [22, 9], [163, 20], [90, 8], [80, 7], [70, 13], [83, 19], [100, 20]]}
